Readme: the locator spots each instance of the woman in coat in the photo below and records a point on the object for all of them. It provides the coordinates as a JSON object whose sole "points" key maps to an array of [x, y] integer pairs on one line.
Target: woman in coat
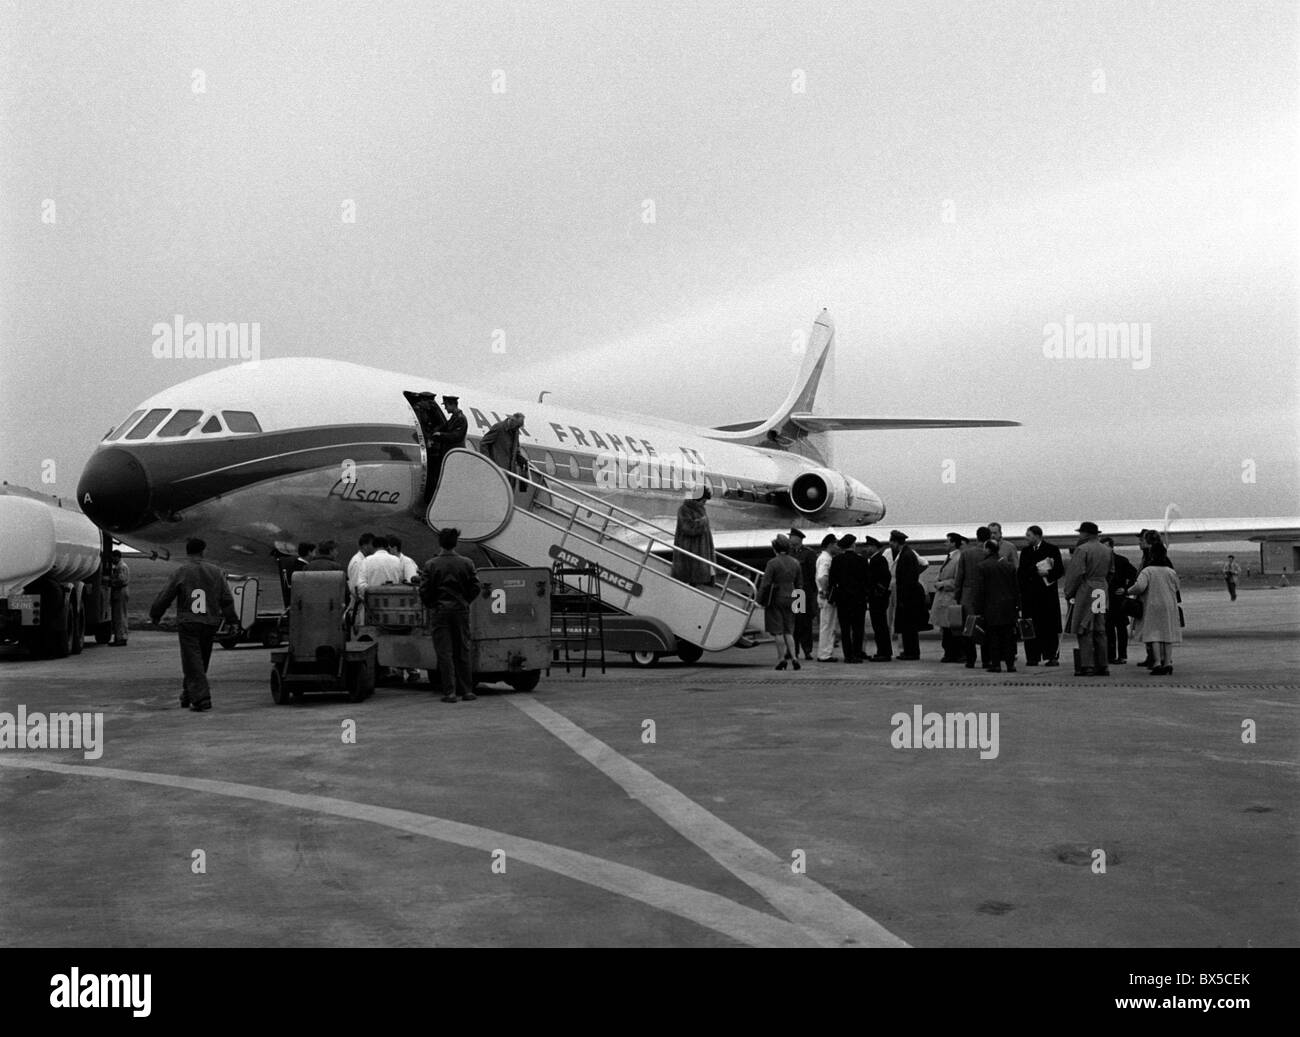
{"points": [[945, 599], [1157, 588], [693, 535], [782, 577]]}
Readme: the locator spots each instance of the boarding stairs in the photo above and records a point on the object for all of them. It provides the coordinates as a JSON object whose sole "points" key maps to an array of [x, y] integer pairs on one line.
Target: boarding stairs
{"points": [[535, 519]]}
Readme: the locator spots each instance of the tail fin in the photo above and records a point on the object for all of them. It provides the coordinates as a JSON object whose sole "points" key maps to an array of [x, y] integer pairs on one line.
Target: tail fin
{"points": [[801, 398]]}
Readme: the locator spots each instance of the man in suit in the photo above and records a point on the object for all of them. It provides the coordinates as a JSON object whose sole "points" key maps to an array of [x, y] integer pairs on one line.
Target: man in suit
{"points": [[911, 615], [1006, 549], [848, 589], [1086, 585], [996, 601], [1121, 578], [1040, 571], [805, 618], [878, 581], [966, 588]]}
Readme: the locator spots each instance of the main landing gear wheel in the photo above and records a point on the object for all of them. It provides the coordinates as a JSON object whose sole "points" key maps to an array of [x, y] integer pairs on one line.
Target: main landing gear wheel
{"points": [[645, 658]]}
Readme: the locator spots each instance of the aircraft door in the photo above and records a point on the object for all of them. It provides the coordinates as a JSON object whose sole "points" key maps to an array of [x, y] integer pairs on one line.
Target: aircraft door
{"points": [[429, 420]]}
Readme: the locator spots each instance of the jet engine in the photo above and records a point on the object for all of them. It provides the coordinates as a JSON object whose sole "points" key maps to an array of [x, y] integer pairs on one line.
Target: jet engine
{"points": [[835, 499]]}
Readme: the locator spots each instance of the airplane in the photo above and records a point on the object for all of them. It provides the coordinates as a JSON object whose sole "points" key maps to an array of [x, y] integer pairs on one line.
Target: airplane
{"points": [[257, 456]]}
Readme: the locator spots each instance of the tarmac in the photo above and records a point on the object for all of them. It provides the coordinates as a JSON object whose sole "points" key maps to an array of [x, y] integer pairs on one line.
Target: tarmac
{"points": [[716, 804]]}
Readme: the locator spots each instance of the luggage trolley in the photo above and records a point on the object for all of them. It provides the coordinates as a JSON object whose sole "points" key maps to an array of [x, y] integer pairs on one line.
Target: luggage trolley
{"points": [[319, 656]]}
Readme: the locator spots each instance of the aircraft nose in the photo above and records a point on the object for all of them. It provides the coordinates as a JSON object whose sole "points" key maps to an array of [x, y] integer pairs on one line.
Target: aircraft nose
{"points": [[114, 490]]}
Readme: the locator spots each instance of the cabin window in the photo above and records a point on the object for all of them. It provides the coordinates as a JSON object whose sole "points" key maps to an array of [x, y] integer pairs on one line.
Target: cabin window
{"points": [[574, 471], [117, 432], [213, 424], [241, 421], [181, 423], [148, 423], [723, 483], [550, 464]]}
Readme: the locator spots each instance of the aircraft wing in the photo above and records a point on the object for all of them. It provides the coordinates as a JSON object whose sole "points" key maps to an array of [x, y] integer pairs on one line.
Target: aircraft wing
{"points": [[931, 538], [832, 423]]}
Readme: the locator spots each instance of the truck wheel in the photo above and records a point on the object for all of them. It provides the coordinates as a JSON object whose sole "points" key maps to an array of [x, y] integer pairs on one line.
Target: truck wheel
{"points": [[645, 658], [524, 681], [228, 642], [687, 652], [55, 641], [279, 691], [78, 623]]}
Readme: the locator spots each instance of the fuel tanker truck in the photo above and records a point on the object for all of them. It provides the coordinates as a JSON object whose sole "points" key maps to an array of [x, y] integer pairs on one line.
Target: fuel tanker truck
{"points": [[53, 575]]}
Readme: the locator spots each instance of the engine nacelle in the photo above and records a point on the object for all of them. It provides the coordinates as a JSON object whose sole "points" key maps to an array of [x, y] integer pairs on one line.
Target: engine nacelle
{"points": [[835, 499]]}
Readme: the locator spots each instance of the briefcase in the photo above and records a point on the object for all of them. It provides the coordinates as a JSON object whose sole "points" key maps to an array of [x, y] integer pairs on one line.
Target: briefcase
{"points": [[973, 630], [1025, 630]]}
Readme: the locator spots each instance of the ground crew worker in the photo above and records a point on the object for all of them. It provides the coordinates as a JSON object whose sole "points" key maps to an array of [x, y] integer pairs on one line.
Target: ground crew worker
{"points": [[326, 558], [448, 588], [202, 600], [119, 579]]}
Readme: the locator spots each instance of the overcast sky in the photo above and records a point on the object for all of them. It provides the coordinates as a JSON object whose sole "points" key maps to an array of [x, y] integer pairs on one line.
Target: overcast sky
{"points": [[947, 179]]}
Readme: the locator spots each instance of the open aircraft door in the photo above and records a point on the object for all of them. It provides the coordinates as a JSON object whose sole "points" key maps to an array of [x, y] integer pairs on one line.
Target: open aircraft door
{"points": [[429, 419]]}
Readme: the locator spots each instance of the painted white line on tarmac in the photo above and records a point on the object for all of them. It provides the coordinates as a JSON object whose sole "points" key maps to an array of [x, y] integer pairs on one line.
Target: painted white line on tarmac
{"points": [[829, 919], [710, 910]]}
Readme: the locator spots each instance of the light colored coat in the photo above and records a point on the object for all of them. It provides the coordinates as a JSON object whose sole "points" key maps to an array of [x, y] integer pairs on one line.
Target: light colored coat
{"points": [[943, 590], [1088, 571], [1157, 587]]}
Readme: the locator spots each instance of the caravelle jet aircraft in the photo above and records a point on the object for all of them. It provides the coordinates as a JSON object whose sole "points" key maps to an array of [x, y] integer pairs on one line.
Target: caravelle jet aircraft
{"points": [[259, 456]]}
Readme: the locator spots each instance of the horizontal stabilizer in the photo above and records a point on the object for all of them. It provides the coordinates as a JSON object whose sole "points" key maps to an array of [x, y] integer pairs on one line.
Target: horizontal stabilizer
{"points": [[832, 423]]}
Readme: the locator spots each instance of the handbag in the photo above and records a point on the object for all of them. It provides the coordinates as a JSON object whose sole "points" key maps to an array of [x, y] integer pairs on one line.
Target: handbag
{"points": [[1130, 607], [1025, 630], [1182, 621]]}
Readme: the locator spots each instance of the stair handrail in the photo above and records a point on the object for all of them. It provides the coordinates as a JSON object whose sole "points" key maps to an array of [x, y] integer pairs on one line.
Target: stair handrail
{"points": [[727, 574], [746, 571]]}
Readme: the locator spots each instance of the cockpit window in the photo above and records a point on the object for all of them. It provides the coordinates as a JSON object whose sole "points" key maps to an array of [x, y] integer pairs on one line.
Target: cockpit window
{"points": [[148, 423], [213, 424], [241, 421], [181, 423], [117, 432]]}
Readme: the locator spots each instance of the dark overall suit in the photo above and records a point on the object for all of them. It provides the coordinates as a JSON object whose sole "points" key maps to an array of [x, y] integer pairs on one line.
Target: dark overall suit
{"points": [[202, 599], [448, 588]]}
